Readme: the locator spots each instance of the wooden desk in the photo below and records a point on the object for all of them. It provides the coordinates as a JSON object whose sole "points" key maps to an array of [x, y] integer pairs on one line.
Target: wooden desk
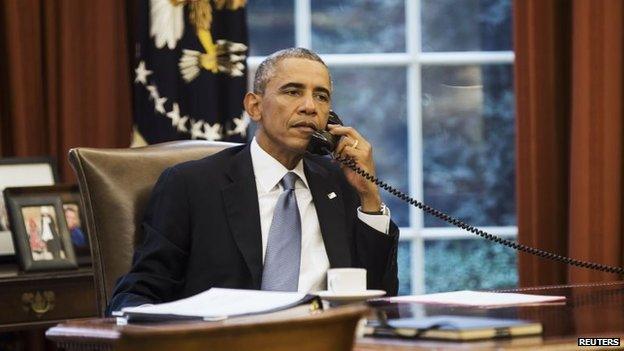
{"points": [[35, 300], [590, 311], [296, 329]]}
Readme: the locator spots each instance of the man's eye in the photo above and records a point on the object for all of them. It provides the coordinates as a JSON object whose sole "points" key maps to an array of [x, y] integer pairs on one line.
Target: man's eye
{"points": [[292, 92], [322, 97]]}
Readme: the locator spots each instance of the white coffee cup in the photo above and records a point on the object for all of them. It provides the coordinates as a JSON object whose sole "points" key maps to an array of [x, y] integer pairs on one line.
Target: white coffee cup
{"points": [[346, 280]]}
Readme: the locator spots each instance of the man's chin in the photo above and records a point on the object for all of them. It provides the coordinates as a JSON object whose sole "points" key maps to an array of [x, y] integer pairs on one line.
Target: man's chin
{"points": [[300, 146]]}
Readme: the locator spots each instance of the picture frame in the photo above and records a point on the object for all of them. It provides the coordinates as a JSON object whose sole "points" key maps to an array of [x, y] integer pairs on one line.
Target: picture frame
{"points": [[74, 215], [75, 219], [39, 230], [17, 172]]}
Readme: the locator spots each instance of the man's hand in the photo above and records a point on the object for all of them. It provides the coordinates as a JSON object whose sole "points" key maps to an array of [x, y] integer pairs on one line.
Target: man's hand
{"points": [[353, 145]]}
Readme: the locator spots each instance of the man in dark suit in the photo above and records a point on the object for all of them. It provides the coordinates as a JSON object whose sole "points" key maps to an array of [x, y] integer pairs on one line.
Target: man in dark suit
{"points": [[266, 215]]}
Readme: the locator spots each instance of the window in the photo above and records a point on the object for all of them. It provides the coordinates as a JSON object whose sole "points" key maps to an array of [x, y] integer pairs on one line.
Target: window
{"points": [[430, 84]]}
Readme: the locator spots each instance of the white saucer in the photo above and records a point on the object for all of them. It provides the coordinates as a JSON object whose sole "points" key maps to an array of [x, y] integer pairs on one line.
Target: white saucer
{"points": [[350, 296]]}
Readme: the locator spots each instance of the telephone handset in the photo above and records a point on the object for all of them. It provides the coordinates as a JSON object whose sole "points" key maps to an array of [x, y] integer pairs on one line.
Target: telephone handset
{"points": [[324, 143]]}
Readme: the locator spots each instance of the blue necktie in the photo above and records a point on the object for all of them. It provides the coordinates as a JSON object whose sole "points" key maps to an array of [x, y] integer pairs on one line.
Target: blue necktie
{"points": [[283, 253]]}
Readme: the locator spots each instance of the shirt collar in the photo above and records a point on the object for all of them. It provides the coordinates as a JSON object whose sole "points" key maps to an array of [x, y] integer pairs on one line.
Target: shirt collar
{"points": [[269, 171]]}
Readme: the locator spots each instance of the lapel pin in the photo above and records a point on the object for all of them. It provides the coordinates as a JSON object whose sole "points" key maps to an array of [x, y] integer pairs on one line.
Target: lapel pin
{"points": [[331, 195]]}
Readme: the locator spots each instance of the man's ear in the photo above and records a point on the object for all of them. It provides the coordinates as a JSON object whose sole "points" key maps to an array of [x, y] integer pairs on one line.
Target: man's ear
{"points": [[253, 106]]}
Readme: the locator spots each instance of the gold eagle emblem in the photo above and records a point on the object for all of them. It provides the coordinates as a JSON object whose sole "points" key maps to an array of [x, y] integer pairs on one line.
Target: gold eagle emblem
{"points": [[224, 56]]}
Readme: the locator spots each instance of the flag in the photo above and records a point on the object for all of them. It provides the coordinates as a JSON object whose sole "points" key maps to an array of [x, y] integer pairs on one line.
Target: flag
{"points": [[189, 70]]}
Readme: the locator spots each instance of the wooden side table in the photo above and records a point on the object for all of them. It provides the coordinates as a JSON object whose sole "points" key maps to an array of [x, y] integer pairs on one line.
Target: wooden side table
{"points": [[36, 300]]}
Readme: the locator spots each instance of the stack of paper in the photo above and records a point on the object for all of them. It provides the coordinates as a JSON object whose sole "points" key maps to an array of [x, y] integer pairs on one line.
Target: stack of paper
{"points": [[477, 298], [216, 304]]}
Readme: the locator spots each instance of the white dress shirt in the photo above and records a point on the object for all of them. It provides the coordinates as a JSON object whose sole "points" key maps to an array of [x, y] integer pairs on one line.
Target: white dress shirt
{"points": [[314, 262]]}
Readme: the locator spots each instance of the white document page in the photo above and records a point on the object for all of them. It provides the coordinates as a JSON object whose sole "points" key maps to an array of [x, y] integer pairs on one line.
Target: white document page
{"points": [[477, 298], [221, 303]]}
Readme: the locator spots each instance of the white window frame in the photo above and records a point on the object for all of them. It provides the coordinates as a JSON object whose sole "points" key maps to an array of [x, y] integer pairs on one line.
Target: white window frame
{"points": [[413, 60]]}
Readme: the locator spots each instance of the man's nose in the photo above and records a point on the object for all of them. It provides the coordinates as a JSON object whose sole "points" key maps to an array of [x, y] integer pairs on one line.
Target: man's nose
{"points": [[308, 106]]}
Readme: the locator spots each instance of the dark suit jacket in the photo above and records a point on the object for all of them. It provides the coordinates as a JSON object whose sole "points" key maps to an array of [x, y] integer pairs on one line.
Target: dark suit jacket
{"points": [[202, 230]]}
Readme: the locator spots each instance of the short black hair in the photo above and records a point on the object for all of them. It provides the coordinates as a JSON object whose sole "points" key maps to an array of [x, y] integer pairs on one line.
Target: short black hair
{"points": [[267, 68]]}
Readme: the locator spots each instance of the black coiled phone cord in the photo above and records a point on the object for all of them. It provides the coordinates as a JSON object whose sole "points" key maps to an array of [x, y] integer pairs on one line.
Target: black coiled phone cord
{"points": [[458, 223]]}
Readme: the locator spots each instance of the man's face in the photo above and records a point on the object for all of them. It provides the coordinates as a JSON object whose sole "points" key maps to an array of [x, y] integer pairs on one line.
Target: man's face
{"points": [[72, 219], [296, 101]]}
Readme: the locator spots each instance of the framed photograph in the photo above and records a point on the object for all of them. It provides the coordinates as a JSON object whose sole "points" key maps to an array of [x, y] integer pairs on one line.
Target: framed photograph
{"points": [[14, 172], [72, 211], [39, 229], [76, 225]]}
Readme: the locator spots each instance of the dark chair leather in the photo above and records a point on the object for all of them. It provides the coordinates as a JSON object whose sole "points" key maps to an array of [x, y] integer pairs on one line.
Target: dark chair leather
{"points": [[115, 185]]}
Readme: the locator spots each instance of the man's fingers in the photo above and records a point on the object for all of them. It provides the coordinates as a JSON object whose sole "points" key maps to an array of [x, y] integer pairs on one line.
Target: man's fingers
{"points": [[350, 137], [345, 130], [344, 142], [353, 153]]}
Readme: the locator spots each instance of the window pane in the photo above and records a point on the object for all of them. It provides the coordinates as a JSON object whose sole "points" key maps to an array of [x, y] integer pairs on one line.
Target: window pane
{"points": [[271, 26], [373, 101], [468, 265], [466, 25], [405, 267], [358, 26], [468, 143]]}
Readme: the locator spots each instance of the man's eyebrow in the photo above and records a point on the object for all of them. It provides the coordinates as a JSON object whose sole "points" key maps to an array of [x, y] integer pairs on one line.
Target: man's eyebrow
{"points": [[301, 86], [292, 85]]}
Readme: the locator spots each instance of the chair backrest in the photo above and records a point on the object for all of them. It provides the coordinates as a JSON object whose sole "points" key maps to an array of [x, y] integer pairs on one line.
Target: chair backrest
{"points": [[115, 185]]}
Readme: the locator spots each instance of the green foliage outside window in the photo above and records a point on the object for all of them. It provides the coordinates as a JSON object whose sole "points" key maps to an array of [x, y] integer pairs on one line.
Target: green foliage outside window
{"points": [[469, 265]]}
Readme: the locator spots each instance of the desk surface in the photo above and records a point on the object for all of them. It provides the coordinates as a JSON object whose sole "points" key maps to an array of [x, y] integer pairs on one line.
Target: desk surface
{"points": [[592, 310]]}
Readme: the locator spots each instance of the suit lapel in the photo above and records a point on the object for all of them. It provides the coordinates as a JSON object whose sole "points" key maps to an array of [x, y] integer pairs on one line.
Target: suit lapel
{"points": [[330, 212], [241, 206]]}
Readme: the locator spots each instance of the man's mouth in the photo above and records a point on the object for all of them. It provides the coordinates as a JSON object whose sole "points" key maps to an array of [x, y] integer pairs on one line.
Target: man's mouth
{"points": [[307, 127]]}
